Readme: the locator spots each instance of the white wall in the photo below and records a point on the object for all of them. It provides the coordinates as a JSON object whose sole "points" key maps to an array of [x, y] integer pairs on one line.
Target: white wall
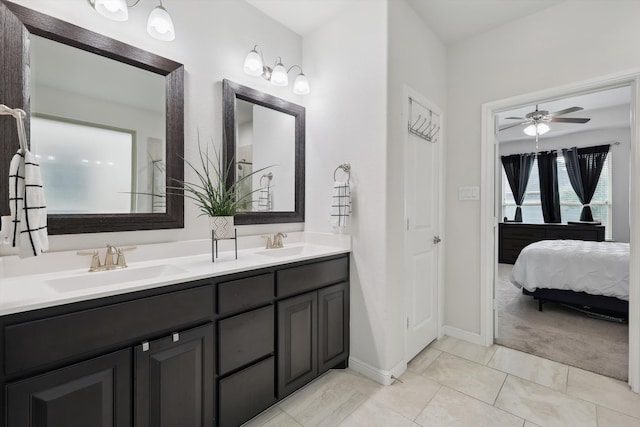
{"points": [[417, 58], [571, 42], [361, 61], [346, 122], [212, 40]]}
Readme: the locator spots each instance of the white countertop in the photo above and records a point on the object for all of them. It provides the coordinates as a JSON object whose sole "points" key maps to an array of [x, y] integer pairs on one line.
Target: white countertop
{"points": [[54, 279]]}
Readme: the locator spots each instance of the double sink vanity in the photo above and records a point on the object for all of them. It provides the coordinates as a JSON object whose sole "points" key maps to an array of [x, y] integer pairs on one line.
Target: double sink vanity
{"points": [[207, 343]]}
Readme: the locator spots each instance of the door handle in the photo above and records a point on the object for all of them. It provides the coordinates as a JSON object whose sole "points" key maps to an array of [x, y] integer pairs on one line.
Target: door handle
{"points": [[436, 240]]}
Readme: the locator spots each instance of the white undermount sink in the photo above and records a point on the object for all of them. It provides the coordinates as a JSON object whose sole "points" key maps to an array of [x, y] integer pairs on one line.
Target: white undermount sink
{"points": [[282, 252], [112, 277]]}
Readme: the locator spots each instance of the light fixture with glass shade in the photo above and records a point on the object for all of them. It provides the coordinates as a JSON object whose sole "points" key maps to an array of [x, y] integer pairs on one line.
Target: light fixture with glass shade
{"points": [[536, 129], [116, 10], [159, 24], [278, 75]]}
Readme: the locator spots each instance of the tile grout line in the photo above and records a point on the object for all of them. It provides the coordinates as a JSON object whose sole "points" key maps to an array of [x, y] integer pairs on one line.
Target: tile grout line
{"points": [[500, 391], [427, 404]]}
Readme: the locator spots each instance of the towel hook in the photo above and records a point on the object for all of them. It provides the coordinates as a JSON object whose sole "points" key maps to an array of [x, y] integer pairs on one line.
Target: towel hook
{"points": [[346, 168]]}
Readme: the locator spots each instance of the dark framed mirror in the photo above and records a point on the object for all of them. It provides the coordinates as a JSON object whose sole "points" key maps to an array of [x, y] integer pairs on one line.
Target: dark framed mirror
{"points": [[264, 140], [158, 148]]}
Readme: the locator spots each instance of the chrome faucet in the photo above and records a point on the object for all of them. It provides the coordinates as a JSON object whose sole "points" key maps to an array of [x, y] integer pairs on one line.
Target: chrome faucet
{"points": [[109, 263], [277, 240]]}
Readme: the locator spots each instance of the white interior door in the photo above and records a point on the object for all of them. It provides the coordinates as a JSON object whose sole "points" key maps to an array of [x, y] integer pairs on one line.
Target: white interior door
{"points": [[422, 187]]}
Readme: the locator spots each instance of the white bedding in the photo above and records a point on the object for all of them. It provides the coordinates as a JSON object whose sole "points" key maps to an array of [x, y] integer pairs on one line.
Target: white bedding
{"points": [[597, 268]]}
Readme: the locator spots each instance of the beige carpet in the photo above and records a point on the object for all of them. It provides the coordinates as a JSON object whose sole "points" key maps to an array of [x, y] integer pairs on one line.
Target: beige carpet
{"points": [[559, 333]]}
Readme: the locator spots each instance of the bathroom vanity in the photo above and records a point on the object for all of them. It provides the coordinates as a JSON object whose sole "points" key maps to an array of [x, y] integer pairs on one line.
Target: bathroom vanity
{"points": [[212, 351]]}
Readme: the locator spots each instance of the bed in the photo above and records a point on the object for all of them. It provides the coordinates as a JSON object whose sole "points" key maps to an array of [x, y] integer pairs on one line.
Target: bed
{"points": [[592, 276]]}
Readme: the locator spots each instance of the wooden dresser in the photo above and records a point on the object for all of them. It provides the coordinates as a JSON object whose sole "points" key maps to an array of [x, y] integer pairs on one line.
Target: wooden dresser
{"points": [[514, 236]]}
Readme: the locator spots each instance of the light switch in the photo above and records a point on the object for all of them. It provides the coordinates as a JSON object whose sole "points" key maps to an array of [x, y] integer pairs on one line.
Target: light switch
{"points": [[468, 193]]}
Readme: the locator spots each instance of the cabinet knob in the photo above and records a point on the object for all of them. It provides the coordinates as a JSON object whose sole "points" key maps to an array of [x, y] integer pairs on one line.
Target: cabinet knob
{"points": [[145, 346], [176, 337]]}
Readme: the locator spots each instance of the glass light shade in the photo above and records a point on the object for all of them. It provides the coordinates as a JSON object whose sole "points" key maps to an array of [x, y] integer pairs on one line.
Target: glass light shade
{"points": [[253, 64], [301, 85], [542, 128], [160, 25], [116, 10], [279, 75]]}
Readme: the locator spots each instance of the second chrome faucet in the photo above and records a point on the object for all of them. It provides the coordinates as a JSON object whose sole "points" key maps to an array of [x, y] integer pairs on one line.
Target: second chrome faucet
{"points": [[275, 242]]}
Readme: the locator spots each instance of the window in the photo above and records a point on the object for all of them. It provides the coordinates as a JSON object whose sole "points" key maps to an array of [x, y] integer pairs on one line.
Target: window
{"points": [[570, 206]]}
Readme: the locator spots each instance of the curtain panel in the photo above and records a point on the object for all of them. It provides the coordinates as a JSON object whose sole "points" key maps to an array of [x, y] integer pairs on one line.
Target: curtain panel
{"points": [[584, 166], [549, 194], [517, 167]]}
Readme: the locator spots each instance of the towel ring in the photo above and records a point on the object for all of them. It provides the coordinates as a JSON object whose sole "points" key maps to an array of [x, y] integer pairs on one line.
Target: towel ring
{"points": [[269, 176], [346, 168]]}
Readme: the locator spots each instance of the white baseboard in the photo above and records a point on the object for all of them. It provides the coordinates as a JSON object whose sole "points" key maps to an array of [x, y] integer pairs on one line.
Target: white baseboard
{"points": [[462, 335], [378, 375]]}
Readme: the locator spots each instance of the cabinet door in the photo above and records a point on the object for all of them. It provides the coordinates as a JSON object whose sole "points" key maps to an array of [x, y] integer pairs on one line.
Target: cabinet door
{"points": [[174, 380], [333, 326], [297, 342], [94, 393]]}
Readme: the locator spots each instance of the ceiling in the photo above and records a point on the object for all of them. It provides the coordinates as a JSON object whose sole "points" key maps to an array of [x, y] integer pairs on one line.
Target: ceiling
{"points": [[451, 20]]}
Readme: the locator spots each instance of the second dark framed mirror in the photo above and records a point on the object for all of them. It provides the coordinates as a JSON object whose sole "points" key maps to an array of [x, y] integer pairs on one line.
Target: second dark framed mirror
{"points": [[263, 131]]}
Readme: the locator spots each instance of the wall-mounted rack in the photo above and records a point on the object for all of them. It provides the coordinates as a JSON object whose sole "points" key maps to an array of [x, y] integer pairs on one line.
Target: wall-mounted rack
{"points": [[424, 127]]}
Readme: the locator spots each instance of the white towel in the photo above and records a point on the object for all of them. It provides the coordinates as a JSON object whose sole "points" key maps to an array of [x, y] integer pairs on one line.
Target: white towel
{"points": [[340, 204], [27, 204]]}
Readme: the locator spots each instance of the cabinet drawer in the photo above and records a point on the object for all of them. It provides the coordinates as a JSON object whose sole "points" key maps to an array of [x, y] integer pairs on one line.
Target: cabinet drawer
{"points": [[246, 293], [245, 394], [311, 276], [32, 344], [516, 244], [575, 234], [245, 338], [523, 232]]}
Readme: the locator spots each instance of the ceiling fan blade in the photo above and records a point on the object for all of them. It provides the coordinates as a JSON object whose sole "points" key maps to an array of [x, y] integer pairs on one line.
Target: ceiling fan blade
{"points": [[566, 111], [514, 118], [569, 120], [511, 126]]}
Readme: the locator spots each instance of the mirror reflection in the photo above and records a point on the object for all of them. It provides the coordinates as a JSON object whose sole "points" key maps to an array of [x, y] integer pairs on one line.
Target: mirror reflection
{"points": [[98, 126], [265, 139]]}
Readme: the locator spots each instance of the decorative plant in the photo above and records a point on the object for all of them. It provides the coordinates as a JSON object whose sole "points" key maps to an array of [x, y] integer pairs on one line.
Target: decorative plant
{"points": [[210, 192]]}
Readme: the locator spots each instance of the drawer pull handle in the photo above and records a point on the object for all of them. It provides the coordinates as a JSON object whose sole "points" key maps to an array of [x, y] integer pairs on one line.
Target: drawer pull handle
{"points": [[176, 337], [145, 346]]}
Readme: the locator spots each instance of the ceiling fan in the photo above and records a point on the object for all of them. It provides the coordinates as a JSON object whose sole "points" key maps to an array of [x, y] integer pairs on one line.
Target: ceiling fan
{"points": [[537, 121], [541, 116]]}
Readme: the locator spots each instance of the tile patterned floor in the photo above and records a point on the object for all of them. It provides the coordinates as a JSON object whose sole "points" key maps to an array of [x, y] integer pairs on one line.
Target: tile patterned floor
{"points": [[455, 383]]}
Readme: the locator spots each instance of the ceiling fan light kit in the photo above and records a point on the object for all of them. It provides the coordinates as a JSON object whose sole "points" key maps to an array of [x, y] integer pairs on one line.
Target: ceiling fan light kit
{"points": [[537, 120]]}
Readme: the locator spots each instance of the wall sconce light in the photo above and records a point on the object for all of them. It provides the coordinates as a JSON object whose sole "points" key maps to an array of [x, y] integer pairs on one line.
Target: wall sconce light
{"points": [[536, 129], [278, 75], [159, 23]]}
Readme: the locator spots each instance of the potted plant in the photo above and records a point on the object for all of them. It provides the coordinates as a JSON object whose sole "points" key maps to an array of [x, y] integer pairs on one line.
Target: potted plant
{"points": [[210, 192]]}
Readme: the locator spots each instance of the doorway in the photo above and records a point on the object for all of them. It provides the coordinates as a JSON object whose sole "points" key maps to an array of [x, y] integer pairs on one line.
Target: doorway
{"points": [[489, 212]]}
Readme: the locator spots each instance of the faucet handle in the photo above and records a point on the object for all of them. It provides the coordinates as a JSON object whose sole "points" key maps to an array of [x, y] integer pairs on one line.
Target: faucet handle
{"points": [[269, 244], [120, 261], [95, 259]]}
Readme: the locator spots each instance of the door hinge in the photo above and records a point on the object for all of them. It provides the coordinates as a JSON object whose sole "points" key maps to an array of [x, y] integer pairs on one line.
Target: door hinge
{"points": [[407, 322], [407, 224]]}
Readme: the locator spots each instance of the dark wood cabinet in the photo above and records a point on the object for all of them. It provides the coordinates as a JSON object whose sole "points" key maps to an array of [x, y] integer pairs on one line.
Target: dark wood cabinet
{"points": [[514, 236], [94, 393], [206, 353], [333, 326], [297, 342], [174, 380]]}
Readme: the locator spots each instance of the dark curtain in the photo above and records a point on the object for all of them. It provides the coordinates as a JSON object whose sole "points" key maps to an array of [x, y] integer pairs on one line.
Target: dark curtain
{"points": [[517, 167], [584, 166], [549, 195]]}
